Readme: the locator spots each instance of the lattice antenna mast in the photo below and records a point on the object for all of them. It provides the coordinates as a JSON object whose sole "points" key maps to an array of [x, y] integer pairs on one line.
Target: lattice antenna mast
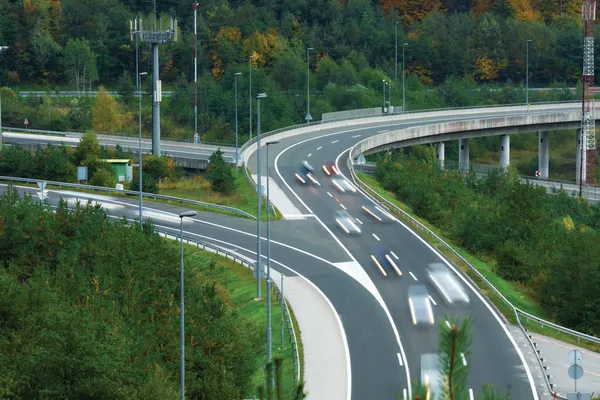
{"points": [[588, 122]]}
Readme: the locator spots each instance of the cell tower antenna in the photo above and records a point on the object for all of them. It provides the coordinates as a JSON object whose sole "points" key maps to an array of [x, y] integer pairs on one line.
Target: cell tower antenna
{"points": [[156, 37], [587, 173]]}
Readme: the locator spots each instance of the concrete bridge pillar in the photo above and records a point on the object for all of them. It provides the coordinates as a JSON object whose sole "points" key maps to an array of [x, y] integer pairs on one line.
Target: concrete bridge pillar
{"points": [[439, 152], [463, 155], [578, 156], [504, 151], [544, 146]]}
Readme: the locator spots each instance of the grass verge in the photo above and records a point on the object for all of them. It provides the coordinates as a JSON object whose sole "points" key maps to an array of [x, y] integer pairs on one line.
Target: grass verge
{"points": [[244, 195], [513, 293], [241, 286]]}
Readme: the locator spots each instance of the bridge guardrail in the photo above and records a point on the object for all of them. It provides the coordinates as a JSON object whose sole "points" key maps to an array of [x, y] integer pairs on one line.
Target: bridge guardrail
{"points": [[129, 192], [255, 186], [518, 312]]}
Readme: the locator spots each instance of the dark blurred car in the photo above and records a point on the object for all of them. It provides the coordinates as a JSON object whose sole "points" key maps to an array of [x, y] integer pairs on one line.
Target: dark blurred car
{"points": [[330, 169], [305, 173], [420, 305], [382, 259], [378, 213]]}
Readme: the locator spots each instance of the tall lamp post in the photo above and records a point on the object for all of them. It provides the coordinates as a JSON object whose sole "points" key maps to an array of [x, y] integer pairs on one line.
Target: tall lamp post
{"points": [[403, 97], [250, 88], [139, 78], [396, 63], [308, 116], [236, 121], [182, 328], [2, 48], [383, 111], [527, 75], [268, 256], [259, 191], [196, 137]]}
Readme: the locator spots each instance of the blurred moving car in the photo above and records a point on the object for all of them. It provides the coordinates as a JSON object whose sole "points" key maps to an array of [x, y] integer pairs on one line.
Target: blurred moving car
{"points": [[420, 305], [330, 169], [446, 284], [430, 376], [347, 222], [383, 258], [305, 173], [343, 185], [378, 213]]}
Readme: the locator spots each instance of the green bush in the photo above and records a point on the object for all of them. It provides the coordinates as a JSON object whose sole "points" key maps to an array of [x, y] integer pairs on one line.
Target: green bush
{"points": [[103, 177], [219, 174], [54, 163], [149, 185]]}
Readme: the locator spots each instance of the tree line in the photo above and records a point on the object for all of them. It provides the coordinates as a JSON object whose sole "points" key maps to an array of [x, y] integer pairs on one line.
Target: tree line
{"points": [[84, 44], [89, 309], [544, 243]]}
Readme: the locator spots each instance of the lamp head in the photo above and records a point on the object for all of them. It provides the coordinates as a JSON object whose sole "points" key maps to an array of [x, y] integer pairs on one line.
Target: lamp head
{"points": [[238, 73], [188, 214], [261, 96], [273, 142], [143, 73]]}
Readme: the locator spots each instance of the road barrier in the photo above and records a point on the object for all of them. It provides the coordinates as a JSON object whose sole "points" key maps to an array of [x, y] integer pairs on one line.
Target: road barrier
{"points": [[519, 314], [131, 193]]}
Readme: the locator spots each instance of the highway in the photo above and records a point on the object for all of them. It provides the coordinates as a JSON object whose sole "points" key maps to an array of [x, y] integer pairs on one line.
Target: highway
{"points": [[495, 358], [384, 346]]}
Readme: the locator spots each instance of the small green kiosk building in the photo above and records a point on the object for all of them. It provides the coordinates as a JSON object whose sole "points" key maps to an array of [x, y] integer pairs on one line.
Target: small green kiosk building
{"points": [[121, 169]]}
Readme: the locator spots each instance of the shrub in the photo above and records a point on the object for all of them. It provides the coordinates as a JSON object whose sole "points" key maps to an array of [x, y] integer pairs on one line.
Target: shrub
{"points": [[103, 177], [219, 173]]}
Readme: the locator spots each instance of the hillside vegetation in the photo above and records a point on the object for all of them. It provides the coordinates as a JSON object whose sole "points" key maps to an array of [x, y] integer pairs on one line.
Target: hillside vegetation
{"points": [[90, 309], [453, 48], [544, 243]]}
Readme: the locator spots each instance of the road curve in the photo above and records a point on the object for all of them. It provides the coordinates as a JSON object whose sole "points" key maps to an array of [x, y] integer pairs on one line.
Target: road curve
{"points": [[495, 358]]}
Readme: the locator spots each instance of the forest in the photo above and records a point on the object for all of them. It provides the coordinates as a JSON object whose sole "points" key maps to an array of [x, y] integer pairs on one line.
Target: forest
{"points": [[543, 243], [454, 48], [70, 268]]}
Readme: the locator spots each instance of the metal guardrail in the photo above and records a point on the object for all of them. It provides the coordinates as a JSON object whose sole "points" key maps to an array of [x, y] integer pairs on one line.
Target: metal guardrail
{"points": [[250, 264], [129, 192], [518, 312]]}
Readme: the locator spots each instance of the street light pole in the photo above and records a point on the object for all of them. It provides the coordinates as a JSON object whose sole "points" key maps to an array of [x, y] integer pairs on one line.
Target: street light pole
{"points": [[236, 122], [139, 79], [196, 137], [383, 111], [396, 63], [403, 97], [527, 76], [268, 257], [308, 116], [259, 191], [2, 48], [250, 86], [182, 312]]}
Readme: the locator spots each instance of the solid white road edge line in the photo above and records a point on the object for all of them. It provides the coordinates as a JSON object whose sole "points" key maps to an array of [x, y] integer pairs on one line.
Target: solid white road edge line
{"points": [[372, 290], [474, 290], [337, 317], [471, 395]]}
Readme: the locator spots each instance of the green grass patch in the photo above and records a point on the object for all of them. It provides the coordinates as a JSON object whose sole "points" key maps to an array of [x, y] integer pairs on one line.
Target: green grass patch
{"points": [[243, 197], [241, 286], [516, 295]]}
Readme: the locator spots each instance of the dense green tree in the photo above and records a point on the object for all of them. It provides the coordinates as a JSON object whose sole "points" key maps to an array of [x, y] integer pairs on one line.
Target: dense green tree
{"points": [[219, 173]]}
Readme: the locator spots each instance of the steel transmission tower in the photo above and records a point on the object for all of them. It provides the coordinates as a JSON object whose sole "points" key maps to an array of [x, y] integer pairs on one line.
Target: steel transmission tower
{"points": [[588, 122], [156, 37]]}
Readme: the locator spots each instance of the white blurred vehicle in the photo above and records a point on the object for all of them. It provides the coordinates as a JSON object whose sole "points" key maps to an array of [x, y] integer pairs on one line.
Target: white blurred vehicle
{"points": [[446, 283], [430, 376], [347, 222], [343, 185], [378, 213], [419, 302]]}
